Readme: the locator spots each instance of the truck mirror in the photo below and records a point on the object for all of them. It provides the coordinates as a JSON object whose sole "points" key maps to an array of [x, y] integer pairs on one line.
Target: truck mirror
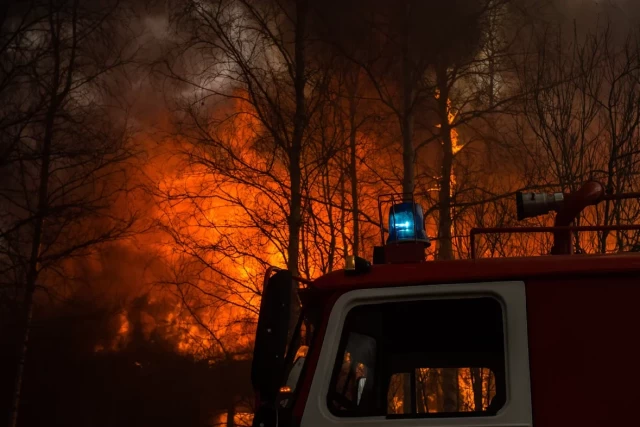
{"points": [[267, 369]]}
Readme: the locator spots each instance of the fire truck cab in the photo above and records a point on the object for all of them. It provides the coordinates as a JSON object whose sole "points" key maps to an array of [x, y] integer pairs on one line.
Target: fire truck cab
{"points": [[544, 341]]}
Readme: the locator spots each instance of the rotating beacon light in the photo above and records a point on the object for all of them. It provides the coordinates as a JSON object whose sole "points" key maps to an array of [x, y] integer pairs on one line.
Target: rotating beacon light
{"points": [[406, 224]]}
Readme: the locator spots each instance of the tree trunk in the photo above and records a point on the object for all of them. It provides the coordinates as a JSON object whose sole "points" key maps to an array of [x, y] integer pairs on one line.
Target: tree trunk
{"points": [[25, 323], [43, 204], [450, 389], [332, 226], [353, 171], [445, 247], [492, 82], [407, 401], [491, 40], [34, 257], [476, 384], [343, 221], [231, 415], [408, 95], [295, 155], [295, 171], [611, 167]]}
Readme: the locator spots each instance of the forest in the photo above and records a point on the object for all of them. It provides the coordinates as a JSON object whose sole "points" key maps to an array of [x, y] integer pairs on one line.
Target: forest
{"points": [[156, 157]]}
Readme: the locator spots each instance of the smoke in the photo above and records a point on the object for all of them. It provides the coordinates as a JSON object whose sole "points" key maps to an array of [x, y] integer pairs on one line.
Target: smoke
{"points": [[587, 15]]}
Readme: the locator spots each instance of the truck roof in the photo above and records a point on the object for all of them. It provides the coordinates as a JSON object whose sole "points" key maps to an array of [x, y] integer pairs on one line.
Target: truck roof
{"points": [[477, 270]]}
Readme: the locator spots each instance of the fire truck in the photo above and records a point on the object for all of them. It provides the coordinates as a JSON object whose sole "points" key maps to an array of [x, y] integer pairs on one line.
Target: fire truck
{"points": [[550, 341]]}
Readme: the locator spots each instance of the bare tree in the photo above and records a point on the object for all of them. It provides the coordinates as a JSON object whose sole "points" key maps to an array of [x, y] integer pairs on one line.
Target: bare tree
{"points": [[341, 121], [255, 54], [580, 120], [249, 99], [619, 118], [66, 145]]}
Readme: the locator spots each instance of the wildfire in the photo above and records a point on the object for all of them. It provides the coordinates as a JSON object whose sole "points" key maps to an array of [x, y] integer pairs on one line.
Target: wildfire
{"points": [[215, 257], [476, 389], [206, 292]]}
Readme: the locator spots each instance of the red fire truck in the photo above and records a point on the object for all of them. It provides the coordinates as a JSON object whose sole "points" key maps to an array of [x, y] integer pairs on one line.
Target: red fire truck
{"points": [[546, 341]]}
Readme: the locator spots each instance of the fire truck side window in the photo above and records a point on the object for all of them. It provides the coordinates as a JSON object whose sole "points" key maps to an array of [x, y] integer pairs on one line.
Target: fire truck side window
{"points": [[430, 358]]}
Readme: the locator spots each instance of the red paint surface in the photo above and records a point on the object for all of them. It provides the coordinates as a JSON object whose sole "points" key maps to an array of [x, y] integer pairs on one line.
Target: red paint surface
{"points": [[583, 351], [472, 270]]}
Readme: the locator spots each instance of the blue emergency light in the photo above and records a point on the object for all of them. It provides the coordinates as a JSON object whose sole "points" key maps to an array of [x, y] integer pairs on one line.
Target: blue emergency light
{"points": [[406, 223]]}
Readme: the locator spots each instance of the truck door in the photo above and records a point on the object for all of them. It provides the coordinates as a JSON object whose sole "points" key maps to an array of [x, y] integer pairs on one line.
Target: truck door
{"points": [[432, 355]]}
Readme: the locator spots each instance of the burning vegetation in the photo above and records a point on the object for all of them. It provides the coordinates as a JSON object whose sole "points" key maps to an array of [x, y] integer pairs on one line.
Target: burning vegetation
{"points": [[134, 238]]}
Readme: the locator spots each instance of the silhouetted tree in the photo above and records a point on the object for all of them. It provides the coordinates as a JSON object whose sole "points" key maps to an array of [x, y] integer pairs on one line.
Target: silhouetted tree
{"points": [[64, 145]]}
